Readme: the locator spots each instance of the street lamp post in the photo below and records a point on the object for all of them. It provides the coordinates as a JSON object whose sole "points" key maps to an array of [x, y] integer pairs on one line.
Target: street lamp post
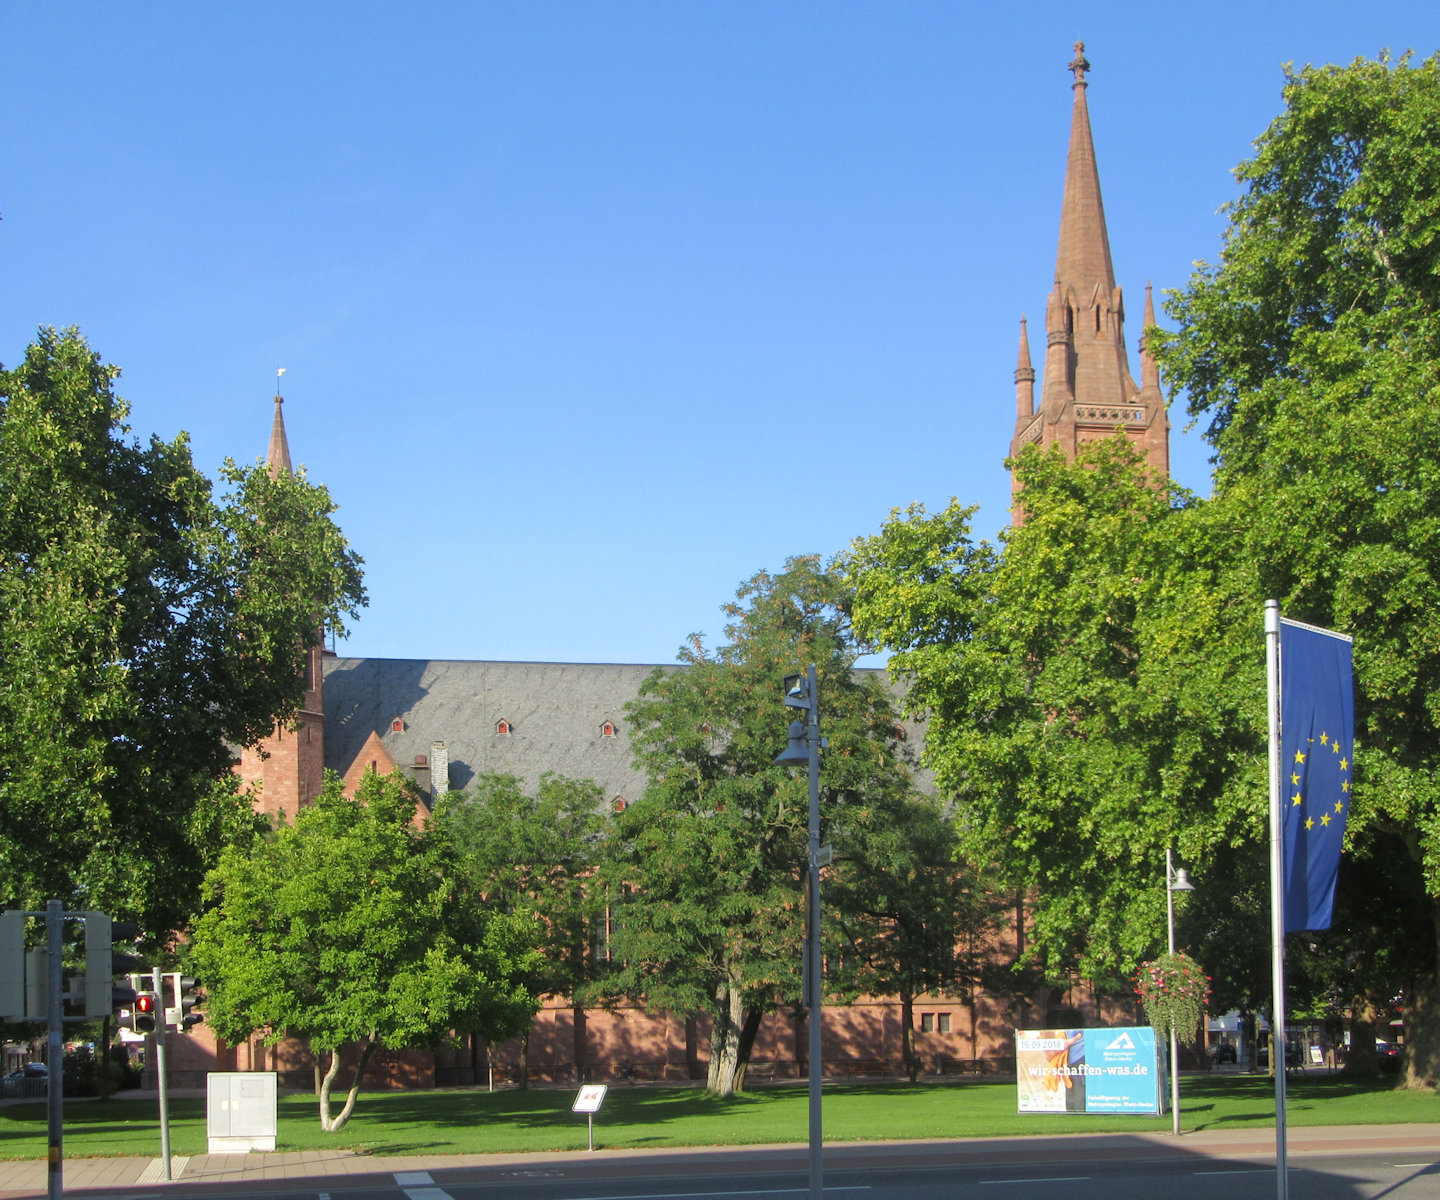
{"points": [[1175, 881], [803, 746]]}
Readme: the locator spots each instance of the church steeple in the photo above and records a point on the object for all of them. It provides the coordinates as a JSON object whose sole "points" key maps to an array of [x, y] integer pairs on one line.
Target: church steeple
{"points": [[278, 458], [286, 770], [1087, 390], [1083, 260]]}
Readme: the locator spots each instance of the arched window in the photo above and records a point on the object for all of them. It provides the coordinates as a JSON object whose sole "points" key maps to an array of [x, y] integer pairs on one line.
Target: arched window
{"points": [[607, 729], [503, 727], [397, 725]]}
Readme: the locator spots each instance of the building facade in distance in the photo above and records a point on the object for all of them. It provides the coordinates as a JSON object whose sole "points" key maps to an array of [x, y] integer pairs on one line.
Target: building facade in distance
{"points": [[443, 723]]}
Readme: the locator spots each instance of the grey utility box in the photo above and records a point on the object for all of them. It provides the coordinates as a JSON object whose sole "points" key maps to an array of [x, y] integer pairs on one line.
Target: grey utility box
{"points": [[240, 1110]]}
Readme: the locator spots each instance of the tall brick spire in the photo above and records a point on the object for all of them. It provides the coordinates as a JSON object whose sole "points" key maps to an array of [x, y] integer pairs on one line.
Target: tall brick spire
{"points": [[1087, 391]]}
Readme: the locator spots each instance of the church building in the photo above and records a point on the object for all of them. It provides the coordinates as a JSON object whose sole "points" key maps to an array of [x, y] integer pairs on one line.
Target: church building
{"points": [[443, 723]]}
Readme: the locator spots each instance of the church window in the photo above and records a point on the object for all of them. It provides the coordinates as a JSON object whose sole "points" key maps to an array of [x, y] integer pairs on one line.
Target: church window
{"points": [[397, 725], [607, 729], [503, 727]]}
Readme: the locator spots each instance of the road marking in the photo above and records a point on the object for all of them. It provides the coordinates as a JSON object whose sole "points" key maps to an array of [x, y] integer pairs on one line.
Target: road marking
{"points": [[1245, 1171], [1047, 1179], [406, 1179]]}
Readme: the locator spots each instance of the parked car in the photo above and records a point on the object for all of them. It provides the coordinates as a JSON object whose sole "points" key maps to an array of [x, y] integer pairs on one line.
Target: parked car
{"points": [[1223, 1053], [1387, 1057], [25, 1082]]}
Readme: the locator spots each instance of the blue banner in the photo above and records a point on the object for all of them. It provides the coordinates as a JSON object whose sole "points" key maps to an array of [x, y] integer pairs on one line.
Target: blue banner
{"points": [[1317, 732], [1087, 1070]]}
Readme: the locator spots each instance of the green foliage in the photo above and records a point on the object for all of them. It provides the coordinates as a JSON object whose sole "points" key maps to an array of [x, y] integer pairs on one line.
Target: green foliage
{"points": [[1313, 348], [534, 853], [706, 883], [1083, 708], [145, 630], [354, 926]]}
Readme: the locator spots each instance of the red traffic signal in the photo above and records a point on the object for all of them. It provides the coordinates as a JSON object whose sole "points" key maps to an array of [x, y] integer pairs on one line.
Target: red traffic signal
{"points": [[147, 1008]]}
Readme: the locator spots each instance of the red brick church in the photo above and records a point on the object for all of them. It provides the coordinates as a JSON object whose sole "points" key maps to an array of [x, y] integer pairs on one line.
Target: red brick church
{"points": [[445, 722]]}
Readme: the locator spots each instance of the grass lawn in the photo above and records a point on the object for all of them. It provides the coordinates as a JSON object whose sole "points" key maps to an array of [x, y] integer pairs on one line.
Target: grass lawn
{"points": [[465, 1121]]}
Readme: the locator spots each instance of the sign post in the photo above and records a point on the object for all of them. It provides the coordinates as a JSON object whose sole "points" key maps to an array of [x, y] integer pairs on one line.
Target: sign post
{"points": [[591, 1097]]}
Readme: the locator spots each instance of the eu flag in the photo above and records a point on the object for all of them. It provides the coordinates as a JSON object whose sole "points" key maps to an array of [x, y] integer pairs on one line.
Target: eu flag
{"points": [[1317, 731]]}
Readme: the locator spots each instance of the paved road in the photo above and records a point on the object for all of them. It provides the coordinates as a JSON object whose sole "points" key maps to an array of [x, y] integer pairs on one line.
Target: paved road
{"points": [[1400, 1162]]}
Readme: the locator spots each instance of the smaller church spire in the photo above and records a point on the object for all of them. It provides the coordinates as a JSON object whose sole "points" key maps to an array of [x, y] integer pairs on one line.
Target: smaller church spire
{"points": [[278, 459], [1024, 377], [1149, 368]]}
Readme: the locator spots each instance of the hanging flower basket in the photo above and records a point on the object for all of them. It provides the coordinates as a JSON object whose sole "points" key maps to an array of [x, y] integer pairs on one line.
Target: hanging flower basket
{"points": [[1175, 993]]}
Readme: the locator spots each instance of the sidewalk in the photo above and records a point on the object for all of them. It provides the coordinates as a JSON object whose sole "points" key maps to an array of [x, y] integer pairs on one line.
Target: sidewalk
{"points": [[28, 1179]]}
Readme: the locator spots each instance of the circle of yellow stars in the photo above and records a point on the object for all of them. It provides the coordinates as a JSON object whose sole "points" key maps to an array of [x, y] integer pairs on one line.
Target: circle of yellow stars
{"points": [[1327, 816]]}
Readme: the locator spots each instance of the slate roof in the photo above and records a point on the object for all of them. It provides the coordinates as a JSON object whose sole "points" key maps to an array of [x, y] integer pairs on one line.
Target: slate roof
{"points": [[556, 711]]}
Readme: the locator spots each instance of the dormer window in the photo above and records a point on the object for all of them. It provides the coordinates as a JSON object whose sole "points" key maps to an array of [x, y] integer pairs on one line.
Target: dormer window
{"points": [[619, 804], [607, 729], [397, 725], [503, 728]]}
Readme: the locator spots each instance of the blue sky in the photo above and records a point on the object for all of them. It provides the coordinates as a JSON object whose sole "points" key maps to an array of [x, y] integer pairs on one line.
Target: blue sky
{"points": [[591, 310]]}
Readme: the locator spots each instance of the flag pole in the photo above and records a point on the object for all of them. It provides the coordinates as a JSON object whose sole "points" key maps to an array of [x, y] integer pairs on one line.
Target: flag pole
{"points": [[1277, 892]]}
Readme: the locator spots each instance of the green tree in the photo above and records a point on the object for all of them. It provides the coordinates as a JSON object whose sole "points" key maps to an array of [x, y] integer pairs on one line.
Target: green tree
{"points": [[706, 881], [536, 853], [911, 919], [1086, 707], [1312, 348], [356, 929], [145, 630]]}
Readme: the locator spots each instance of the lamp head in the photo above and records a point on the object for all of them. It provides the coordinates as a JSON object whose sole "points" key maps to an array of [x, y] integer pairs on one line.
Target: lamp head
{"points": [[1180, 882], [797, 749]]}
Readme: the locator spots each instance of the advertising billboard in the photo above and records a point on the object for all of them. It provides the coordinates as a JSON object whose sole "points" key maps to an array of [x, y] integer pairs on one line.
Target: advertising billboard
{"points": [[1088, 1070]]}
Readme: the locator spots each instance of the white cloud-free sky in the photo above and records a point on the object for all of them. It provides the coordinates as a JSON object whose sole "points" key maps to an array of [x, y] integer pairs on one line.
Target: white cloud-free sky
{"points": [[591, 310]]}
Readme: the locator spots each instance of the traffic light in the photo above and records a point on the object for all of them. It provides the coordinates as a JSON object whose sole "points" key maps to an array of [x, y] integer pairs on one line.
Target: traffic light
{"points": [[147, 1010], [102, 994], [179, 1014]]}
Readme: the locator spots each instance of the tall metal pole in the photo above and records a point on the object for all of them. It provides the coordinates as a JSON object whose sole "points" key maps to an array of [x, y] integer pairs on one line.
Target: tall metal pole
{"points": [[159, 982], [1277, 893], [55, 1049], [812, 741], [1174, 1037]]}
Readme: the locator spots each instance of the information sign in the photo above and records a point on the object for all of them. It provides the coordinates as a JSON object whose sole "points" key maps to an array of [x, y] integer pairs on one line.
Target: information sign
{"points": [[1088, 1070]]}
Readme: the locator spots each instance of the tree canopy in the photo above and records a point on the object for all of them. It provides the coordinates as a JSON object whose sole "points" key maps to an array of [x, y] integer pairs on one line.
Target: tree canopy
{"points": [[1312, 347], [1082, 713], [1096, 685], [706, 884], [536, 852], [146, 629], [354, 928]]}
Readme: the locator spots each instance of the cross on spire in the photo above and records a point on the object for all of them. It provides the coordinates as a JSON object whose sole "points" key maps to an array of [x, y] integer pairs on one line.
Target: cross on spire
{"points": [[1079, 64]]}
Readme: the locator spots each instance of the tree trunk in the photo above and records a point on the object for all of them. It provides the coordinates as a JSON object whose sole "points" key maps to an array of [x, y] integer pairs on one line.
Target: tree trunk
{"points": [[523, 1082], [749, 1027], [1421, 1068], [334, 1126], [907, 1036], [1361, 1060], [725, 1042], [581, 1049]]}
